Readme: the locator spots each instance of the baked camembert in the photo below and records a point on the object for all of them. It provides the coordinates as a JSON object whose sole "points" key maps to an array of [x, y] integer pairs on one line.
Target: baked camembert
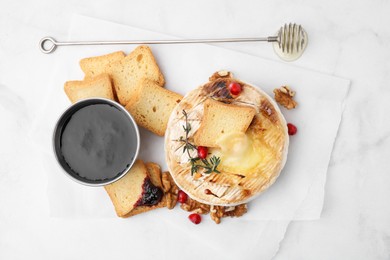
{"points": [[226, 142]]}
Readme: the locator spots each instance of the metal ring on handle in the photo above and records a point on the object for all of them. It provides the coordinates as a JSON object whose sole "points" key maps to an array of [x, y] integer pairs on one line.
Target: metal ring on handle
{"points": [[52, 47]]}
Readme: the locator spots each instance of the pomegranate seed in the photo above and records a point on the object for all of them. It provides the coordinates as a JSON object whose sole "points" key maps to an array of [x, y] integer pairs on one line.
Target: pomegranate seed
{"points": [[207, 191], [195, 218], [202, 152], [292, 129], [182, 196], [235, 88]]}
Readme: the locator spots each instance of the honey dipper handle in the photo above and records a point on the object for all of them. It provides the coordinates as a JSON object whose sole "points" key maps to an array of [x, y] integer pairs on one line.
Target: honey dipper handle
{"points": [[48, 44]]}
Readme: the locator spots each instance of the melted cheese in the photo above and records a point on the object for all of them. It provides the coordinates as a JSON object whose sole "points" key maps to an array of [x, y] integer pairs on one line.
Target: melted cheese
{"points": [[239, 152]]}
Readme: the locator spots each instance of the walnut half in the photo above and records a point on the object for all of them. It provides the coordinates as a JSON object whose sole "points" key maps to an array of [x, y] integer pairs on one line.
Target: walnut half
{"points": [[170, 190], [238, 211], [284, 96], [195, 206], [216, 213]]}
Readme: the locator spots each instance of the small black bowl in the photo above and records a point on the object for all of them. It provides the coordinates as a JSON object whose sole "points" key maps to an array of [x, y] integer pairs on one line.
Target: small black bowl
{"points": [[63, 121]]}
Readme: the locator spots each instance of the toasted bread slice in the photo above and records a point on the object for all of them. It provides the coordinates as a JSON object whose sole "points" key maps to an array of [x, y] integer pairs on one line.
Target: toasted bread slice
{"points": [[154, 173], [99, 86], [220, 119], [127, 73], [126, 192], [94, 66], [143, 209], [152, 106]]}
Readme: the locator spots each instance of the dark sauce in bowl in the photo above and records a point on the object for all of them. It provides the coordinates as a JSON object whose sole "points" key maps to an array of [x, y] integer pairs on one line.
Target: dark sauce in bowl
{"points": [[97, 142]]}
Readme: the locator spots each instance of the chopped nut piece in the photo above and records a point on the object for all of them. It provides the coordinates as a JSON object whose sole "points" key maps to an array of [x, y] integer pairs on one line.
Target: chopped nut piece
{"points": [[174, 200], [165, 182], [195, 206], [191, 205], [170, 189], [201, 210], [284, 90], [221, 74], [231, 208], [174, 188], [168, 198], [186, 207], [237, 212], [284, 96], [216, 213], [171, 200]]}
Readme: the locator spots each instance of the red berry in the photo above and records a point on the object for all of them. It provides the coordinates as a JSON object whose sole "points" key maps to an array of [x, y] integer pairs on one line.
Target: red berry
{"points": [[235, 88], [202, 152], [195, 218], [182, 196], [292, 129]]}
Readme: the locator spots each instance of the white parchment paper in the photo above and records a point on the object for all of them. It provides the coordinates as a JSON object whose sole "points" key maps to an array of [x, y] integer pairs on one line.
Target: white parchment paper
{"points": [[258, 233]]}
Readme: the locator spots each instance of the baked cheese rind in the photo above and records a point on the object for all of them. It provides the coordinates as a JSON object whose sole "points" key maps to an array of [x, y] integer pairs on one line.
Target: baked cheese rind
{"points": [[238, 182]]}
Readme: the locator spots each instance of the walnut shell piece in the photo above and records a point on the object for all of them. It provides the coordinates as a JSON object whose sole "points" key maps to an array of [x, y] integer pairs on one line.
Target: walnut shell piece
{"points": [[284, 96], [221, 74], [194, 206], [216, 213], [170, 189], [238, 211]]}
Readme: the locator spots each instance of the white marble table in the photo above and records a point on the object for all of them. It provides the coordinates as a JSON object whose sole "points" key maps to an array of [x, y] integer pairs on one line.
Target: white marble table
{"points": [[349, 39]]}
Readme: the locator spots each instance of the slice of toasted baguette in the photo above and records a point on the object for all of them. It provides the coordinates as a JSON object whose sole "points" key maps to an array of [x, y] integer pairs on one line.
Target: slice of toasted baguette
{"points": [[219, 119], [154, 173], [127, 73], [99, 86], [125, 192], [152, 106], [94, 66]]}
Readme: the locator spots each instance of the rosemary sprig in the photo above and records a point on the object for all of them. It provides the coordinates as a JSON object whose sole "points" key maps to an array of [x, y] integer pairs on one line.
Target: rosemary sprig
{"points": [[212, 165], [187, 128], [197, 163]]}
